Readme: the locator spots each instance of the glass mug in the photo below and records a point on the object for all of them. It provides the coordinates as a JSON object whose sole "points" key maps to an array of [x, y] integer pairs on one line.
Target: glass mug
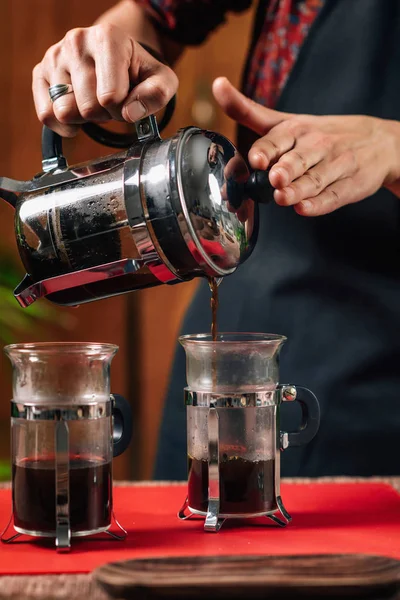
{"points": [[66, 428], [234, 439]]}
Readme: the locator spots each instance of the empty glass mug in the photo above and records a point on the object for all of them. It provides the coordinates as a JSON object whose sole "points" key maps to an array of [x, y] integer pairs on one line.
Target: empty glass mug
{"points": [[234, 440], [65, 430]]}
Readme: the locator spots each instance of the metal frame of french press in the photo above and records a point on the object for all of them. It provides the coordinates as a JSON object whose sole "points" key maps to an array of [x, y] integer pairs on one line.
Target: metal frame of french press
{"points": [[61, 416], [283, 393]]}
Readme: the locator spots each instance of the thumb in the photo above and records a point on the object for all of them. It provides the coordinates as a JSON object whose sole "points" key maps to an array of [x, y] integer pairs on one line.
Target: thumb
{"points": [[245, 111], [155, 85]]}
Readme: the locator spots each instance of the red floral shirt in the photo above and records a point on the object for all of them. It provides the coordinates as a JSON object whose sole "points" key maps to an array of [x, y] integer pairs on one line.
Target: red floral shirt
{"points": [[285, 27]]}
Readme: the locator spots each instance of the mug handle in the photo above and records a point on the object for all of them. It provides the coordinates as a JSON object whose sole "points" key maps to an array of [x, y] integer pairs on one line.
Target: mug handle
{"points": [[122, 424], [311, 415]]}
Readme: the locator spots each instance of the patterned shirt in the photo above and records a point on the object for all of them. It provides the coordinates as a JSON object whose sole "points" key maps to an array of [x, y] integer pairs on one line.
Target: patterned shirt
{"points": [[285, 26]]}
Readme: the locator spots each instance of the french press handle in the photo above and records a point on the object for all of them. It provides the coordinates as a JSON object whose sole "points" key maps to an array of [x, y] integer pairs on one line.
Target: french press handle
{"points": [[259, 188], [122, 424], [125, 140], [147, 128]]}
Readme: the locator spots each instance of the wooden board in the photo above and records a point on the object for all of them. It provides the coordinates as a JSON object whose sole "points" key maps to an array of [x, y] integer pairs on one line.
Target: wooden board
{"points": [[234, 577]]}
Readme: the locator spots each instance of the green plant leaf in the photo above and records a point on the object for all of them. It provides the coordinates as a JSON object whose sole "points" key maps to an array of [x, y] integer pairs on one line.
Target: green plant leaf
{"points": [[15, 320], [5, 470]]}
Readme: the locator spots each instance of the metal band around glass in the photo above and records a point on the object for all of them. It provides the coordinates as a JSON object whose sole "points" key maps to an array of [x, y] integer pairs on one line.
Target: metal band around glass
{"points": [[57, 413], [246, 400]]}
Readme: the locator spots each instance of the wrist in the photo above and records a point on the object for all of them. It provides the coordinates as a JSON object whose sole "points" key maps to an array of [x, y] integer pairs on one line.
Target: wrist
{"points": [[391, 134], [131, 18]]}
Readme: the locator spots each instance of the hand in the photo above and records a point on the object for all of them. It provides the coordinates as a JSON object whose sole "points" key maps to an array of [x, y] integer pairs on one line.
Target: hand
{"points": [[103, 63], [319, 163]]}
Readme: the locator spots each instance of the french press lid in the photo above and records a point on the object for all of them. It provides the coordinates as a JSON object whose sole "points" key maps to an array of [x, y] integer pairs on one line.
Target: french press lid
{"points": [[193, 187]]}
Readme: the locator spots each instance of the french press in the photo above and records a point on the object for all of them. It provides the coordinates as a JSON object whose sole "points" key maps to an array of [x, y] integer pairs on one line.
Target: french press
{"points": [[65, 430], [234, 440], [161, 211]]}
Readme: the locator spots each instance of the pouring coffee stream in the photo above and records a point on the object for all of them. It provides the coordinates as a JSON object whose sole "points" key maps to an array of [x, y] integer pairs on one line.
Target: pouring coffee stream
{"points": [[160, 211], [213, 285]]}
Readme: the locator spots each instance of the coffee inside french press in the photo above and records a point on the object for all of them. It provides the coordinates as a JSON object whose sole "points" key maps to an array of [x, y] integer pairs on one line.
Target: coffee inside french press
{"points": [[90, 492], [246, 487]]}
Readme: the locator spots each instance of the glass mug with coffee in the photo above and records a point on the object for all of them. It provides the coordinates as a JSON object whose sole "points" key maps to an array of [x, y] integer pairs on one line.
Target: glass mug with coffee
{"points": [[234, 440], [66, 428]]}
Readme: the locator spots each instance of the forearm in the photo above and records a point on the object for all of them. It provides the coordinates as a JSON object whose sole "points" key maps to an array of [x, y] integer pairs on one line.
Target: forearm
{"points": [[133, 19]]}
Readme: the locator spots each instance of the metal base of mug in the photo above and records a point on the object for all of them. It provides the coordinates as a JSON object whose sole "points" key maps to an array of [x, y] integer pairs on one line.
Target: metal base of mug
{"points": [[214, 519], [62, 547], [52, 534]]}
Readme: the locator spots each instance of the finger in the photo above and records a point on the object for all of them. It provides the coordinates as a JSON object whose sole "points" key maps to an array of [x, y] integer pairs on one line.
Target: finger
{"points": [[112, 63], [65, 108], [269, 148], [158, 84], [44, 106], [78, 61], [85, 89], [333, 197], [314, 181], [308, 151], [245, 111], [56, 71]]}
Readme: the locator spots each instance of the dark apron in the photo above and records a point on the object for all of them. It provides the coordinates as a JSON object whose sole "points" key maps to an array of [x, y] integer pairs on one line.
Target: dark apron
{"points": [[330, 284]]}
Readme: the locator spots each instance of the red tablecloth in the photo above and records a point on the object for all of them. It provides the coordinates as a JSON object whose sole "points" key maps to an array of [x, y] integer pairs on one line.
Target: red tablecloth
{"points": [[327, 518]]}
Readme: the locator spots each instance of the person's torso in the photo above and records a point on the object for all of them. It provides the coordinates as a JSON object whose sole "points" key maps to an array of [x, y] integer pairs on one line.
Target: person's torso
{"points": [[332, 283]]}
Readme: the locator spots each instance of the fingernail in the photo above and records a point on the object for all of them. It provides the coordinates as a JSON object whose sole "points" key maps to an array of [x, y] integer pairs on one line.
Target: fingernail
{"points": [[261, 156], [278, 197], [305, 205], [260, 160], [68, 131], [282, 173], [279, 170], [289, 193], [135, 111]]}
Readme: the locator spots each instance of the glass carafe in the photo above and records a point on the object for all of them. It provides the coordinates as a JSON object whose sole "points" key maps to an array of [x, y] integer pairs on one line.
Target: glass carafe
{"points": [[234, 440], [65, 429]]}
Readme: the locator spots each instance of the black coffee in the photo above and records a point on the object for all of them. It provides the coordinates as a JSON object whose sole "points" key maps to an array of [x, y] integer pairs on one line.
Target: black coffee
{"points": [[90, 495], [245, 487]]}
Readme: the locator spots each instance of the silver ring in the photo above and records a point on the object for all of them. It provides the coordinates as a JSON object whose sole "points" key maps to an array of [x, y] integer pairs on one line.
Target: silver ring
{"points": [[60, 89]]}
